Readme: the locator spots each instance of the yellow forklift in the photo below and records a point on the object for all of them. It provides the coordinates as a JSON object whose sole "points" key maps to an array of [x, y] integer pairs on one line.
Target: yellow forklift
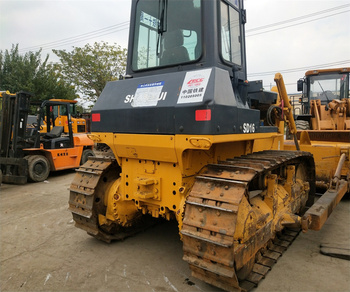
{"points": [[30, 153]]}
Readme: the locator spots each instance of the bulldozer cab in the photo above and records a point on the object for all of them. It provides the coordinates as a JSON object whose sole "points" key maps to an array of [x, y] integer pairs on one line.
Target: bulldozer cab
{"points": [[328, 87], [325, 103], [324, 85], [167, 34], [178, 67]]}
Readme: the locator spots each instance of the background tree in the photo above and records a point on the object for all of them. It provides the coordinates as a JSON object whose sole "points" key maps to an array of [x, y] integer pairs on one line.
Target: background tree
{"points": [[30, 73], [91, 67]]}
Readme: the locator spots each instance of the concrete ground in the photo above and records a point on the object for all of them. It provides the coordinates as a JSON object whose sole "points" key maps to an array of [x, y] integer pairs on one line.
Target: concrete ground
{"points": [[41, 250]]}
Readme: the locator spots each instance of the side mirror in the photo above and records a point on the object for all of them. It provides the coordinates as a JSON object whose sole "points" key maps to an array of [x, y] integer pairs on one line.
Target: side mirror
{"points": [[300, 84]]}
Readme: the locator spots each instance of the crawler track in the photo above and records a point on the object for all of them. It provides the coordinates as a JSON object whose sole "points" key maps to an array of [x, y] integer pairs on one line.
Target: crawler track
{"points": [[87, 191], [211, 220], [211, 216]]}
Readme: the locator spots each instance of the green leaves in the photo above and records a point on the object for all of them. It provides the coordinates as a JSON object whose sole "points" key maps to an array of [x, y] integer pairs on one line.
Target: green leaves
{"points": [[85, 70], [92, 66], [30, 73]]}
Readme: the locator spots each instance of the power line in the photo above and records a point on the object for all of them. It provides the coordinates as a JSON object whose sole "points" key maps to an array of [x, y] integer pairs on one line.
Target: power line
{"points": [[293, 70], [81, 37], [298, 23], [298, 18], [84, 34], [125, 25]]}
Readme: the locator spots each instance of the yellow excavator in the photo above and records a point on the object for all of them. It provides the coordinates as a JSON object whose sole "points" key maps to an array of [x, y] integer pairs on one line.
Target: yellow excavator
{"points": [[189, 141]]}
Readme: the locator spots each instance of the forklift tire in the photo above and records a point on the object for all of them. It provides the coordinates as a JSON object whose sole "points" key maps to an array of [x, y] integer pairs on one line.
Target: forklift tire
{"points": [[38, 168], [85, 155]]}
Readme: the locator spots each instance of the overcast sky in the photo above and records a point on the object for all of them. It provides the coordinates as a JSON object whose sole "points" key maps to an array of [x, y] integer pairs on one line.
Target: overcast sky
{"points": [[313, 34]]}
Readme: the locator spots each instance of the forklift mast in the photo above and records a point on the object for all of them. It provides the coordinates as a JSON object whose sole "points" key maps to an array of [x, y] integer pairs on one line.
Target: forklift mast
{"points": [[13, 125], [15, 109]]}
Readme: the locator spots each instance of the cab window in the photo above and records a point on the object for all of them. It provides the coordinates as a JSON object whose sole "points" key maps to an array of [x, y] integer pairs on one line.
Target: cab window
{"points": [[231, 48]]}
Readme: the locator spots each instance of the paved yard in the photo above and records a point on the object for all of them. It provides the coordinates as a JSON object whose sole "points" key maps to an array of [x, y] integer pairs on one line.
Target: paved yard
{"points": [[41, 250]]}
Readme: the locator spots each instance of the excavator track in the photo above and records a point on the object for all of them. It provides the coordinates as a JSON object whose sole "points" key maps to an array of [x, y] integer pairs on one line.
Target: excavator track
{"points": [[86, 201], [211, 220]]}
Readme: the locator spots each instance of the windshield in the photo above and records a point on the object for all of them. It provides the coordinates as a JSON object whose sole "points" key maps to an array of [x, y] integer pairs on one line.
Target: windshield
{"points": [[327, 87], [62, 109], [167, 32]]}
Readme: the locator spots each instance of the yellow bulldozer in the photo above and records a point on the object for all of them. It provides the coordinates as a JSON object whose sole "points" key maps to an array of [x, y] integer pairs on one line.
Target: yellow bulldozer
{"points": [[189, 141], [323, 123], [325, 103]]}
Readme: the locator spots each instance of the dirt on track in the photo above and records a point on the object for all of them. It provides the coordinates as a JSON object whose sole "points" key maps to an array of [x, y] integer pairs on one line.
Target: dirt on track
{"points": [[41, 250]]}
